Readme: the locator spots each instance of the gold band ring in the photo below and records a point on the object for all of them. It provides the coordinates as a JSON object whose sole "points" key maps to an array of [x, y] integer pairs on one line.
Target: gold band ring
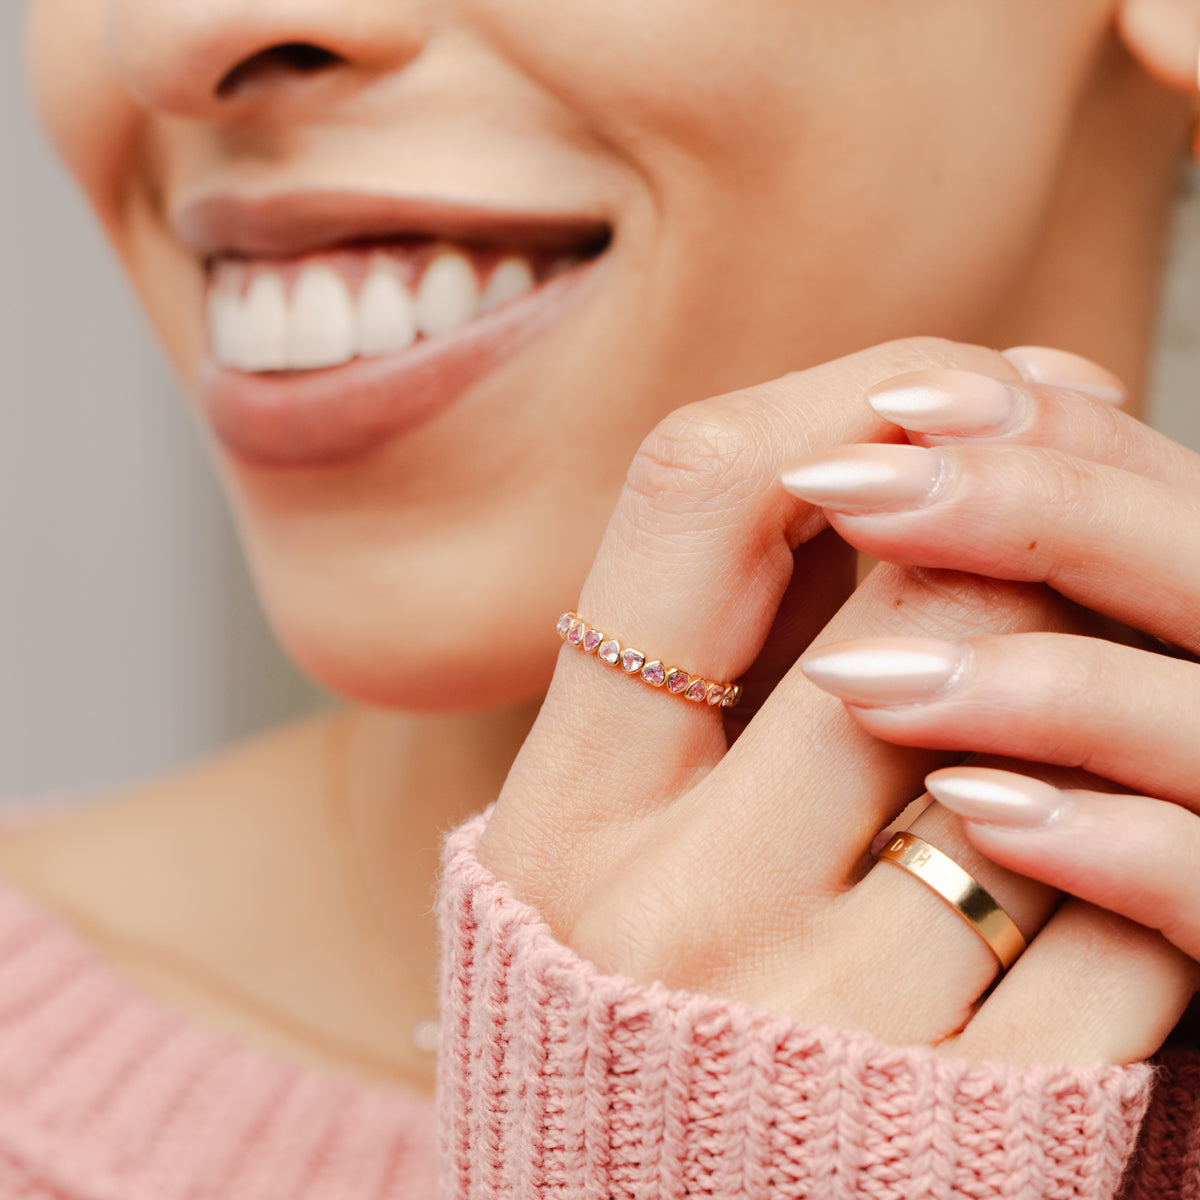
{"points": [[962, 892], [572, 628]]}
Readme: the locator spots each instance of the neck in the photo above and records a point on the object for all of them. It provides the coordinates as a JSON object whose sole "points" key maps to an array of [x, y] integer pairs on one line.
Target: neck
{"points": [[221, 887], [405, 781], [397, 785]]}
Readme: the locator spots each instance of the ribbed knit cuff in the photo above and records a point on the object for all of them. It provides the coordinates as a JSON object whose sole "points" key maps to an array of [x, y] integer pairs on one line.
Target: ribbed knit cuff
{"points": [[1167, 1166], [558, 1081]]}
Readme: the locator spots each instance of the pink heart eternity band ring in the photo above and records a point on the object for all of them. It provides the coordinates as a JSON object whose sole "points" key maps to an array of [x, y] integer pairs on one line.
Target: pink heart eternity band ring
{"points": [[572, 628]]}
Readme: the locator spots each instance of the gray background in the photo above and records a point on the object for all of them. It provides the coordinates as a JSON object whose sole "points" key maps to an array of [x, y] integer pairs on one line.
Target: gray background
{"points": [[129, 639]]}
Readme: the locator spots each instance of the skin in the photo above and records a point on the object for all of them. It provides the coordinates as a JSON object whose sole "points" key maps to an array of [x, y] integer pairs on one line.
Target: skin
{"points": [[783, 213], [628, 138], [1076, 702]]}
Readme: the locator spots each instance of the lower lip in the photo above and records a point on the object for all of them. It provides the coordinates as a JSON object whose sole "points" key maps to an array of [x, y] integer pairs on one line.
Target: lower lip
{"points": [[334, 415]]}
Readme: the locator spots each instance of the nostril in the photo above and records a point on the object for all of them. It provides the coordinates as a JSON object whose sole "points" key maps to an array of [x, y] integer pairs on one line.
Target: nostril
{"points": [[290, 58]]}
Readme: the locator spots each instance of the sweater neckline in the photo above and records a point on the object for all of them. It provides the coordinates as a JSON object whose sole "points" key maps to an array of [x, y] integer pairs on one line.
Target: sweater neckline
{"points": [[139, 1101]]}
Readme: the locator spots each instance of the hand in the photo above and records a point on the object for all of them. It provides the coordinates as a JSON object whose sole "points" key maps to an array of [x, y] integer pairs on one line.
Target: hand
{"points": [[659, 852], [1039, 483]]}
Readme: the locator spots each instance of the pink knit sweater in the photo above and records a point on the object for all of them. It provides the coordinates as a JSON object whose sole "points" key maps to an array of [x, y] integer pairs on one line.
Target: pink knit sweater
{"points": [[554, 1082]]}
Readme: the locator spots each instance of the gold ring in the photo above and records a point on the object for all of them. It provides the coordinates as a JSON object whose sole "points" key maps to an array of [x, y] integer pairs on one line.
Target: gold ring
{"points": [[572, 628], [963, 892]]}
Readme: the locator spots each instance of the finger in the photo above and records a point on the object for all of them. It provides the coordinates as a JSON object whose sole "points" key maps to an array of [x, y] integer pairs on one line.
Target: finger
{"points": [[780, 829], [900, 930], [959, 696], [1112, 540], [691, 571], [1092, 987], [823, 575], [1118, 712], [899, 962], [802, 751], [1135, 856], [945, 407]]}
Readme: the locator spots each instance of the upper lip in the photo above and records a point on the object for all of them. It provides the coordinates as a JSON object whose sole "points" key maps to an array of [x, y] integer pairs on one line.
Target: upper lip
{"points": [[283, 224]]}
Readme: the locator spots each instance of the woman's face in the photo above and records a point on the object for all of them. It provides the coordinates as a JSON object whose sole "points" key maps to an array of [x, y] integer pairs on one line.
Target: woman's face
{"points": [[317, 199]]}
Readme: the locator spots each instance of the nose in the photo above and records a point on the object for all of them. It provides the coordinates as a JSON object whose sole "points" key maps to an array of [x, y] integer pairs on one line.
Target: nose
{"points": [[207, 58]]}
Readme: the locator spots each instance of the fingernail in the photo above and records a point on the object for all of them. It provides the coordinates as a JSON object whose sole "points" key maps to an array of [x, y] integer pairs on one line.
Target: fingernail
{"points": [[944, 401], [996, 797], [886, 670], [866, 478], [1042, 364]]}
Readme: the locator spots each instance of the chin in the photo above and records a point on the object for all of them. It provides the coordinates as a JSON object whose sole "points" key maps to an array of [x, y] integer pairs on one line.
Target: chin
{"points": [[423, 642], [410, 675], [407, 677]]}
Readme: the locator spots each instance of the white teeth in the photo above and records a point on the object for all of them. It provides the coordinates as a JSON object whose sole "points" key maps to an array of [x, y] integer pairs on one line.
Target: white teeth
{"points": [[262, 328], [264, 319], [321, 329], [225, 325], [387, 316], [511, 278], [449, 294]]}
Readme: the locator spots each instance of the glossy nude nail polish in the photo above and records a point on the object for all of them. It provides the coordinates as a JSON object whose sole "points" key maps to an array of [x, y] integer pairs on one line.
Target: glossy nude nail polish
{"points": [[944, 402], [1043, 364], [871, 478], [994, 797], [883, 671]]}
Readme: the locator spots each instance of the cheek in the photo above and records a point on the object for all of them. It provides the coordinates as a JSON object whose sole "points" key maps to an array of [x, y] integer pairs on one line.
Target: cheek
{"points": [[859, 147], [677, 74], [103, 137], [706, 76], [90, 118]]}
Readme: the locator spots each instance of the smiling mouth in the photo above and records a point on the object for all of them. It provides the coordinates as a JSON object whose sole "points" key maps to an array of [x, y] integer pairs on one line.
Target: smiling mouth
{"points": [[340, 321], [314, 311]]}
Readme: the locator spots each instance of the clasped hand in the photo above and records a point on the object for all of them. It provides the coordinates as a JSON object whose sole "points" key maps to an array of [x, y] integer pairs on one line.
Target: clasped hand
{"points": [[1034, 541]]}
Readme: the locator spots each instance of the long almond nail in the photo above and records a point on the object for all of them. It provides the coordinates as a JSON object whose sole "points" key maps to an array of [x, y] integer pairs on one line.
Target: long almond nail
{"points": [[866, 478], [1043, 364], [886, 670], [944, 402], [996, 797]]}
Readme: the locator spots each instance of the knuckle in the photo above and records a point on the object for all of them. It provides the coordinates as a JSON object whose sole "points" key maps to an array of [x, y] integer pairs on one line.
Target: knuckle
{"points": [[915, 353], [721, 446], [1121, 439], [956, 604], [1078, 695], [1070, 680], [1061, 490], [1064, 481], [527, 855], [1117, 439], [1080, 496], [1047, 505], [937, 350], [632, 933], [695, 455], [649, 920]]}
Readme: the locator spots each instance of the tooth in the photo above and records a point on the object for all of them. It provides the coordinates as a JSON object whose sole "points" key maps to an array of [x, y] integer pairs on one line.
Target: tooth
{"points": [[264, 319], [511, 278], [387, 317], [225, 326], [449, 294], [321, 322]]}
